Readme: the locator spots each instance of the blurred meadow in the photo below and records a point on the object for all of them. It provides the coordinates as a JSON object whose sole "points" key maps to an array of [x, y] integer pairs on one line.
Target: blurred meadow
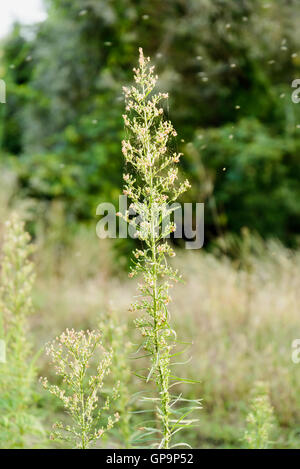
{"points": [[228, 68]]}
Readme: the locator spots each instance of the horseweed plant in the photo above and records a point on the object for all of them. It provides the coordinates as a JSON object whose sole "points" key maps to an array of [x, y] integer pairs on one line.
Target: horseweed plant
{"points": [[17, 375], [150, 186], [72, 354]]}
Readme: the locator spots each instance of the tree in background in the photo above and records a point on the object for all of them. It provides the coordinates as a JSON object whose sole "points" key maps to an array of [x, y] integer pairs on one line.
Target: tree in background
{"points": [[228, 67]]}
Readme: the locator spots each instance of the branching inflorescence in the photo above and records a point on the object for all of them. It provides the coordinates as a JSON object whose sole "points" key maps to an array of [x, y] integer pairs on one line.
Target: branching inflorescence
{"points": [[152, 187]]}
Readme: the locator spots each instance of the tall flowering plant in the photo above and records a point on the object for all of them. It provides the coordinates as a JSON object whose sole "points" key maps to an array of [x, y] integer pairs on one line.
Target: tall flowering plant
{"points": [[152, 185]]}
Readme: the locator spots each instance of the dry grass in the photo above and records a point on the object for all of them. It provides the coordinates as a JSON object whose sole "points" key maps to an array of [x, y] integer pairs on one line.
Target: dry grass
{"points": [[241, 322]]}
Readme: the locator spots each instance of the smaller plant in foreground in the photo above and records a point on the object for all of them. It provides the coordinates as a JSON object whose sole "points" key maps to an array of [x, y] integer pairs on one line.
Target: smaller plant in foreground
{"points": [[260, 420], [114, 334], [71, 355]]}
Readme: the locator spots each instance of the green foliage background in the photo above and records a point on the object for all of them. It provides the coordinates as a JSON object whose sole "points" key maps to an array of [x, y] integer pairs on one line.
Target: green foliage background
{"points": [[228, 67]]}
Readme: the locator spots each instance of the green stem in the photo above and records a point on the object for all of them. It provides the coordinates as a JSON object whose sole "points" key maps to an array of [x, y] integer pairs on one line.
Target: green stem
{"points": [[163, 382], [163, 378]]}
